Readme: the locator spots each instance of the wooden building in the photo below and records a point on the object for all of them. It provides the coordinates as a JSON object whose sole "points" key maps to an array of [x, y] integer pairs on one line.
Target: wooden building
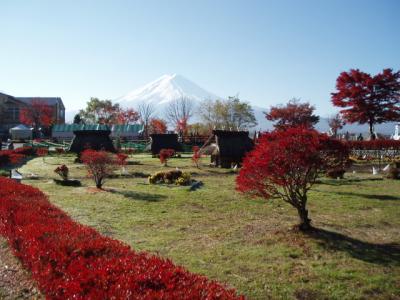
{"points": [[227, 148]]}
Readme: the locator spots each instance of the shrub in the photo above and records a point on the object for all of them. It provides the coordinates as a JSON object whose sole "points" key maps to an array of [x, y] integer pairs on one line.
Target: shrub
{"points": [[100, 165], [10, 157], [157, 178], [72, 261], [63, 171], [196, 155], [184, 179], [286, 164], [121, 159], [173, 176], [165, 155]]}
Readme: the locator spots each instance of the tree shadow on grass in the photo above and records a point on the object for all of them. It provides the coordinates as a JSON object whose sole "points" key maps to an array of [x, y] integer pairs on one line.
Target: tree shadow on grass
{"points": [[382, 254], [370, 196], [138, 195], [338, 182]]}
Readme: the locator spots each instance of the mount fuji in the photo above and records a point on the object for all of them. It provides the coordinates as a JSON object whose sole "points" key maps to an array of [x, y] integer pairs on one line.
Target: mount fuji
{"points": [[164, 90]]}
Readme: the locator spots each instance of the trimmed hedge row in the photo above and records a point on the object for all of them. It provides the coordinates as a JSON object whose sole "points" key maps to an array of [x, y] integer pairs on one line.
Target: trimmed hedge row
{"points": [[374, 145], [72, 261]]}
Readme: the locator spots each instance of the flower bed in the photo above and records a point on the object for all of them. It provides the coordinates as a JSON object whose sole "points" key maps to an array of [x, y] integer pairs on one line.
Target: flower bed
{"points": [[69, 260]]}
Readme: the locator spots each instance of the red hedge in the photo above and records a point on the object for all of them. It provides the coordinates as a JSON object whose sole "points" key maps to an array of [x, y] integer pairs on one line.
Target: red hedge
{"points": [[14, 156], [374, 145], [73, 261]]}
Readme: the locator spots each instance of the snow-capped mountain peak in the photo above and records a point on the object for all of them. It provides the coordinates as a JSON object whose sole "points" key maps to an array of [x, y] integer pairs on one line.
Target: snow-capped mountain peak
{"points": [[164, 90]]}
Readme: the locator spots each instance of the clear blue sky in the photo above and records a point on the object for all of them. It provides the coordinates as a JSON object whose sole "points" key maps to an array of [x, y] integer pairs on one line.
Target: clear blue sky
{"points": [[267, 51]]}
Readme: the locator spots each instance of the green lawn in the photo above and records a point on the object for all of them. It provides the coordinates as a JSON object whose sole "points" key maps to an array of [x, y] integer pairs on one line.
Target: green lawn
{"points": [[247, 243]]}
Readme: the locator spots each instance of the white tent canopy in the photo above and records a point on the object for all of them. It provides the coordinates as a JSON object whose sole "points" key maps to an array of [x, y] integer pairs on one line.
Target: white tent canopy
{"points": [[21, 132]]}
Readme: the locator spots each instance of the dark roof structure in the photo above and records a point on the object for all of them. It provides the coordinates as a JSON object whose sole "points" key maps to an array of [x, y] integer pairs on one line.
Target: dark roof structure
{"points": [[164, 141], [91, 139], [232, 146]]}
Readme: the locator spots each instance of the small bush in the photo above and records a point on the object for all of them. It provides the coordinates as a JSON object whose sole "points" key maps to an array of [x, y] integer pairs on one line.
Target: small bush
{"points": [[62, 171], [100, 165], [184, 179], [165, 155]]}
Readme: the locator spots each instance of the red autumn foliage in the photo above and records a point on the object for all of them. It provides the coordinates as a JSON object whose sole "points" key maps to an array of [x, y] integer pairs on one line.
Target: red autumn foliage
{"points": [[157, 126], [196, 155], [12, 157], [37, 114], [374, 145], [165, 155], [121, 159], [127, 116], [377, 149], [72, 261], [368, 99], [100, 165], [293, 114], [42, 151], [286, 164]]}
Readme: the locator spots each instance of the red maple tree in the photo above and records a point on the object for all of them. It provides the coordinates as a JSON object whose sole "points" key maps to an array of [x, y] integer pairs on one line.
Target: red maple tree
{"points": [[127, 116], [100, 165], [368, 99], [286, 164], [196, 156], [37, 114], [293, 114], [157, 126], [165, 155]]}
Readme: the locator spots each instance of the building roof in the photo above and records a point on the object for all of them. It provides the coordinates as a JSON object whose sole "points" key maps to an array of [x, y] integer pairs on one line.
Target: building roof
{"points": [[135, 128], [47, 100]]}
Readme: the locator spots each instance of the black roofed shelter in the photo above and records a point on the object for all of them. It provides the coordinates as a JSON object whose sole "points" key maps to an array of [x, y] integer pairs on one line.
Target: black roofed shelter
{"points": [[165, 141], [97, 138], [228, 147]]}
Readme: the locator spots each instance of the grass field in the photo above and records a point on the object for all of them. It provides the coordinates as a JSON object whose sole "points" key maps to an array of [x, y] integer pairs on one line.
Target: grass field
{"points": [[246, 243]]}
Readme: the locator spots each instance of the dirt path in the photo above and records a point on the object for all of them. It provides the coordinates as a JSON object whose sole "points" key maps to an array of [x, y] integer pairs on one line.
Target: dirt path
{"points": [[15, 282]]}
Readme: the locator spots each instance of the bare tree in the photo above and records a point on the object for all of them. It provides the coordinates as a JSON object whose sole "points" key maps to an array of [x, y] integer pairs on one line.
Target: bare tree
{"points": [[179, 110], [146, 111]]}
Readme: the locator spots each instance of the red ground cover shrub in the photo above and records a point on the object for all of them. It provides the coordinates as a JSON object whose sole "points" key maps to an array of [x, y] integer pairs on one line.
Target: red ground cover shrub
{"points": [[72, 261], [375, 149], [15, 156], [374, 145]]}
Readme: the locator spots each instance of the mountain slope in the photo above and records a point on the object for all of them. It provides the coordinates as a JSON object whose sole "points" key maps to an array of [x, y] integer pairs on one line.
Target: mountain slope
{"points": [[164, 90]]}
